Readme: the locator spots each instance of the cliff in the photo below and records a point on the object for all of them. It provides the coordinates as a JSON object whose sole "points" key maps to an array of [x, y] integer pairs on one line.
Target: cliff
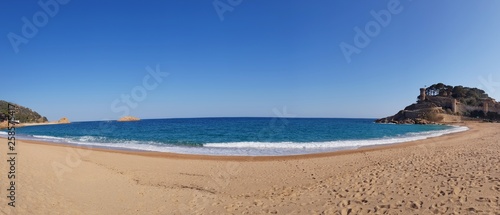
{"points": [[128, 119], [26, 116], [442, 103], [419, 113], [23, 114]]}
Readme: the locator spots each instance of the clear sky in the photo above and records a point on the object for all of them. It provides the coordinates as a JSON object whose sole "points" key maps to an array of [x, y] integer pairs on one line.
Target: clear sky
{"points": [[79, 59]]}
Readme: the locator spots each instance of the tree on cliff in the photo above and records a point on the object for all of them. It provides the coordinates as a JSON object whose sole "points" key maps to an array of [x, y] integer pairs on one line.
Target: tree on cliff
{"points": [[439, 89], [466, 95], [23, 114], [458, 92]]}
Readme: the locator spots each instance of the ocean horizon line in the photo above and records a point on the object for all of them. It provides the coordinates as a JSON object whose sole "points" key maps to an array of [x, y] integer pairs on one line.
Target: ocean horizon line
{"points": [[235, 117]]}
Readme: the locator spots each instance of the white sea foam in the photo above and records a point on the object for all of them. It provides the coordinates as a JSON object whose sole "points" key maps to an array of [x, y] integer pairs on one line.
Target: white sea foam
{"points": [[338, 144], [48, 137], [97, 139], [243, 148]]}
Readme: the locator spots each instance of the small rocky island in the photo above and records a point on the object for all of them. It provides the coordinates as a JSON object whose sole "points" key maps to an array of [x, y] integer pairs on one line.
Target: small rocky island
{"points": [[128, 119], [63, 120], [442, 103]]}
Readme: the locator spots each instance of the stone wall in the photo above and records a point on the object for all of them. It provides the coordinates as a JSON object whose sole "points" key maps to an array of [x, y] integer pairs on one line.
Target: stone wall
{"points": [[447, 103], [444, 102]]}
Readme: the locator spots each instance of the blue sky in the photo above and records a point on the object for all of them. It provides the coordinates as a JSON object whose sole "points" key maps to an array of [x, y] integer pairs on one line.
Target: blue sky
{"points": [[263, 55]]}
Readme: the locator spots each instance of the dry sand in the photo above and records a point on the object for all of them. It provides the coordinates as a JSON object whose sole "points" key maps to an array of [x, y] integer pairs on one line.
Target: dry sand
{"points": [[458, 173]]}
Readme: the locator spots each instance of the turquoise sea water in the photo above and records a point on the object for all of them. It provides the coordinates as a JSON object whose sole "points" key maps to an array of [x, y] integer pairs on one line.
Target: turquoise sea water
{"points": [[234, 136]]}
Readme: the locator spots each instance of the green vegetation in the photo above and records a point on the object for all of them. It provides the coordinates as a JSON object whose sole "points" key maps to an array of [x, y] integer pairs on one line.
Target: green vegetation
{"points": [[443, 99], [23, 114], [465, 95]]}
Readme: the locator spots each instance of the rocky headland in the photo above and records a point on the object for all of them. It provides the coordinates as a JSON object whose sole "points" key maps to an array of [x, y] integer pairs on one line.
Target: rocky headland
{"points": [[24, 116], [440, 103]]}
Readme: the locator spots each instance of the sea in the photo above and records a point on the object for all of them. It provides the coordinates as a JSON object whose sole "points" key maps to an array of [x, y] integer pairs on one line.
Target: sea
{"points": [[233, 136]]}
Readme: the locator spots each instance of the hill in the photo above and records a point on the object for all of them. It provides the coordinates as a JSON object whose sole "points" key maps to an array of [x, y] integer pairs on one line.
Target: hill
{"points": [[23, 114], [442, 103]]}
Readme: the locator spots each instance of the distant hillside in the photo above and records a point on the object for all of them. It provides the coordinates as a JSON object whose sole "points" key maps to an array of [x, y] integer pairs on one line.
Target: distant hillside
{"points": [[439, 103], [23, 114]]}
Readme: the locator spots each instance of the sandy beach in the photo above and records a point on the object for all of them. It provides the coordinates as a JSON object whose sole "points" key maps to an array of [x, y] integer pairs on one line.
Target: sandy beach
{"points": [[457, 173]]}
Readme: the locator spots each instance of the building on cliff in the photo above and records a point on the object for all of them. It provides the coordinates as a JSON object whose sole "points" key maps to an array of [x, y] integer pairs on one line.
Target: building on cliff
{"points": [[441, 102]]}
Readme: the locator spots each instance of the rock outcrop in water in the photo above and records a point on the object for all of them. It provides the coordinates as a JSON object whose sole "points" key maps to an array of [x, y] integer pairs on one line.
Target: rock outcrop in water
{"points": [[442, 103], [63, 120], [4, 124], [128, 119]]}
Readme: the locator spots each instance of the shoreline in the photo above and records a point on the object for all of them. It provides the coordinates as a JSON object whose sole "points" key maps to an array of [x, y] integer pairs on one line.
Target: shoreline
{"points": [[362, 149], [4, 126], [442, 175]]}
